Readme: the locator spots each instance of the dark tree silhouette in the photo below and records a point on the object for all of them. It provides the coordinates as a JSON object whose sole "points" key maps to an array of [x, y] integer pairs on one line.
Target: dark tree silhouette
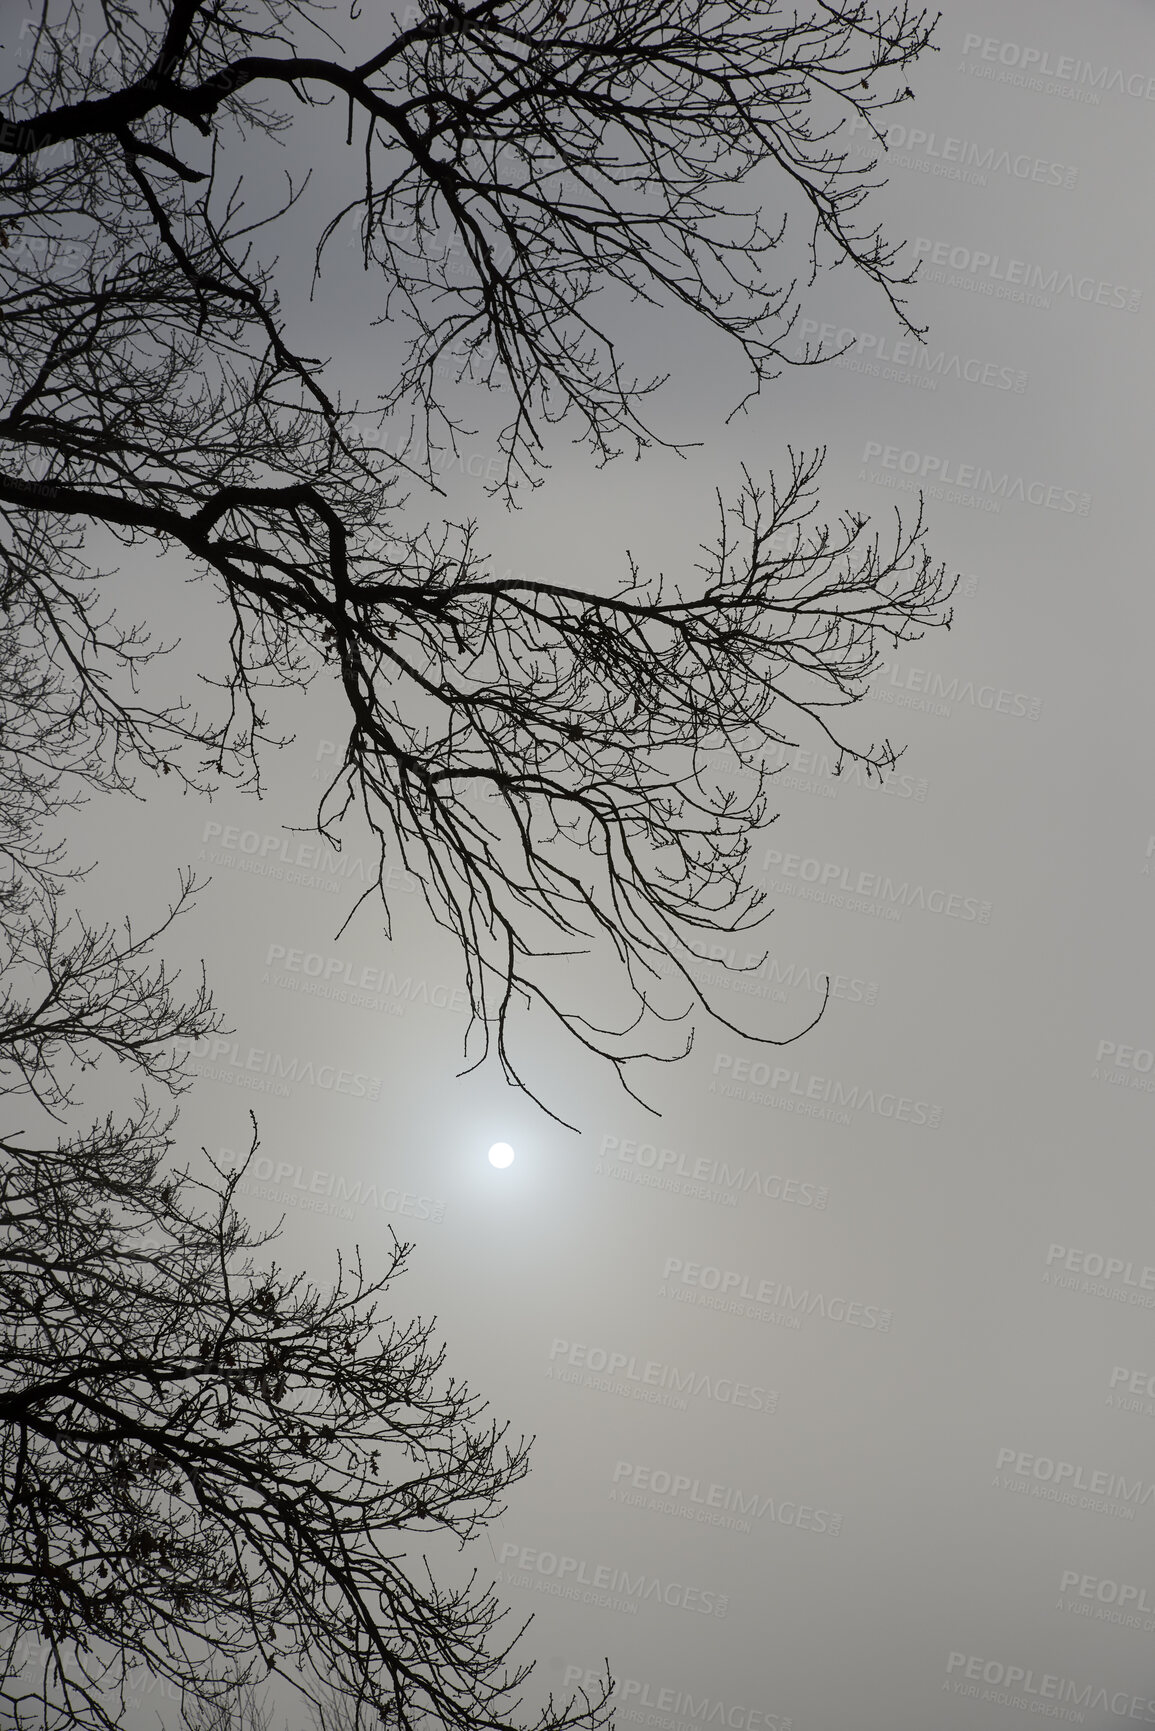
{"points": [[239, 1708], [208, 1466], [523, 171]]}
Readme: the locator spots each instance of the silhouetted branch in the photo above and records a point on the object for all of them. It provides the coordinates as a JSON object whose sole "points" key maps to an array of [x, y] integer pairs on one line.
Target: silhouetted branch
{"points": [[560, 149]]}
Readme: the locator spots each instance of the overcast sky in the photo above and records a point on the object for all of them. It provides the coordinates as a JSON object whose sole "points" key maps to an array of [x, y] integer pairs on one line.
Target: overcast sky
{"points": [[933, 1475]]}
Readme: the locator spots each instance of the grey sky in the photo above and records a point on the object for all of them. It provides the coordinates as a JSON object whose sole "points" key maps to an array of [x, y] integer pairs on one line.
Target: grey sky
{"points": [[954, 1432]]}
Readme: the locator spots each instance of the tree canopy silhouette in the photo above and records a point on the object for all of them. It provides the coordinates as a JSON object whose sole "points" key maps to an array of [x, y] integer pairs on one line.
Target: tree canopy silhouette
{"points": [[518, 174], [209, 1466], [206, 1462]]}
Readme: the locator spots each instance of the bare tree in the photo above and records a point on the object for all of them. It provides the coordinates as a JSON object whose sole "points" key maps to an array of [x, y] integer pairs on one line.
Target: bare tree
{"points": [[206, 1461], [207, 1465], [70, 994], [335, 1714], [521, 168], [237, 1708], [244, 1709]]}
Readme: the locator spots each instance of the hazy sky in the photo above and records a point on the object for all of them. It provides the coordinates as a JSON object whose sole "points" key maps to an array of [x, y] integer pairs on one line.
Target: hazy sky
{"points": [[843, 1370]]}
